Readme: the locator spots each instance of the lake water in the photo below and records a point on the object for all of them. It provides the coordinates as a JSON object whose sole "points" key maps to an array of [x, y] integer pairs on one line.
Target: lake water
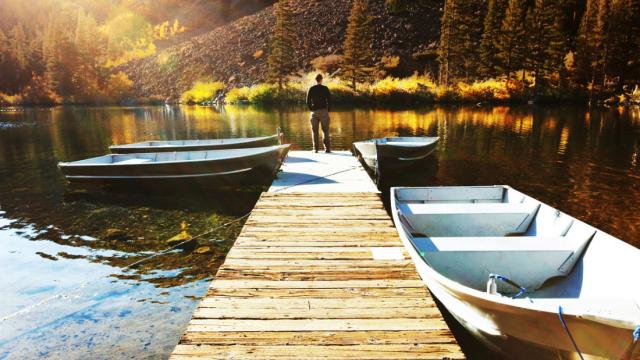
{"points": [[66, 288]]}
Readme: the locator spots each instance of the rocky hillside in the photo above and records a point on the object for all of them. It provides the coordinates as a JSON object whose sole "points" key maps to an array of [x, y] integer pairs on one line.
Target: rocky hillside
{"points": [[237, 53]]}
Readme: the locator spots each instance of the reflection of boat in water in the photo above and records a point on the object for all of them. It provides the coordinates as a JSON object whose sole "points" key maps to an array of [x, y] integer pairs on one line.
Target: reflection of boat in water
{"points": [[394, 152], [508, 267], [194, 145], [223, 168]]}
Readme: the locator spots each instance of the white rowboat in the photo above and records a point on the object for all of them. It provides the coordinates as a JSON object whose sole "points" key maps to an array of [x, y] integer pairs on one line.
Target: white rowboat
{"points": [[579, 284], [226, 168], [394, 152]]}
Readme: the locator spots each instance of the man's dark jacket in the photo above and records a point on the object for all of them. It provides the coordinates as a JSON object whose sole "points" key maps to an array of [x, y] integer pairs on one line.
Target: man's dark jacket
{"points": [[319, 98]]}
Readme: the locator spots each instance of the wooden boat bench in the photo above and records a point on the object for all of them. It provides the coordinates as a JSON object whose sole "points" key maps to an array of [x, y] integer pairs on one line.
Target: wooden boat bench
{"points": [[527, 260], [134, 161], [470, 219]]}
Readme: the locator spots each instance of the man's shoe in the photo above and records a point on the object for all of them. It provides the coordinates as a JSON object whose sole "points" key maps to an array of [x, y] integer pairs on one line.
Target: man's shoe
{"points": [[327, 151], [315, 151]]}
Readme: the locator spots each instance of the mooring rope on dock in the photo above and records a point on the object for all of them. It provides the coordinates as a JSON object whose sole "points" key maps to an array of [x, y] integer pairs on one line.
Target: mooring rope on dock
{"points": [[317, 178]]}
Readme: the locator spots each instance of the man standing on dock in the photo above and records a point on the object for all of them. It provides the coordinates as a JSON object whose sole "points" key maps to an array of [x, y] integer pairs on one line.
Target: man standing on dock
{"points": [[319, 102]]}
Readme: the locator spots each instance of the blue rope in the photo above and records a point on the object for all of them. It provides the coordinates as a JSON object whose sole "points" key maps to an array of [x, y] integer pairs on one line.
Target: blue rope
{"points": [[636, 334], [510, 282], [566, 328]]}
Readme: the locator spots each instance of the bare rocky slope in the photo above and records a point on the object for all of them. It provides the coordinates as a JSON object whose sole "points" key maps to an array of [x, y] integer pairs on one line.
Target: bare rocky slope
{"points": [[231, 53]]}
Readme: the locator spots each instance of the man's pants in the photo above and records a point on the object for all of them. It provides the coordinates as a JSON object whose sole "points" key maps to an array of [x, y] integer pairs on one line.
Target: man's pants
{"points": [[320, 117]]}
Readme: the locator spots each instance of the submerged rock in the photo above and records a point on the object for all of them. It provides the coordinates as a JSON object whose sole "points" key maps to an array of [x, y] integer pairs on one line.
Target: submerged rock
{"points": [[203, 250], [115, 234]]}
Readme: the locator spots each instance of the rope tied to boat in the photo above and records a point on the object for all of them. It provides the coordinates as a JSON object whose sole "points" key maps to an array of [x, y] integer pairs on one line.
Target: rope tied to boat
{"points": [[566, 329], [521, 289], [636, 334], [316, 178]]}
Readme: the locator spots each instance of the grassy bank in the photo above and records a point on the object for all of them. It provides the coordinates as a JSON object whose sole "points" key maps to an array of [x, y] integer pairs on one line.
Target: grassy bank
{"points": [[388, 91], [416, 89]]}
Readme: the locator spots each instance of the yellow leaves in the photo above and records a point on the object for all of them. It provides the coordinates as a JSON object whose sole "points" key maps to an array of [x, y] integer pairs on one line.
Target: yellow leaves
{"points": [[118, 85], [165, 31], [413, 89], [130, 37], [258, 54], [201, 92], [238, 95], [484, 90], [413, 84], [390, 62]]}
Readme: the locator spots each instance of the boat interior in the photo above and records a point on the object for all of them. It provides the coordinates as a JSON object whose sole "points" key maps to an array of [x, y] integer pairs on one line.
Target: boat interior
{"points": [[468, 233], [174, 156]]}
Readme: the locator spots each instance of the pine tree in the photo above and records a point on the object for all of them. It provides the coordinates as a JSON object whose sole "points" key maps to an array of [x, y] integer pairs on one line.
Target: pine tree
{"points": [[512, 44], [546, 41], [587, 42], [460, 33], [592, 48], [490, 37], [623, 44], [282, 52], [4, 46], [358, 56], [19, 46], [5, 65], [447, 37]]}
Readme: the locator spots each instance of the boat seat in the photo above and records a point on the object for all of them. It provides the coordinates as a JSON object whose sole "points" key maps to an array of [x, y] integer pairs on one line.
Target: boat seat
{"points": [[470, 219], [527, 260], [133, 161]]}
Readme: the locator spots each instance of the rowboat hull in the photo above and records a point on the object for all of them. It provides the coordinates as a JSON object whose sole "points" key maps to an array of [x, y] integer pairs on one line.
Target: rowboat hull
{"points": [[593, 296], [194, 145], [381, 155], [256, 168]]}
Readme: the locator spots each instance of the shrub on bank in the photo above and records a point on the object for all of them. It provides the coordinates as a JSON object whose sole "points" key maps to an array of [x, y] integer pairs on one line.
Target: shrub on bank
{"points": [[265, 94], [201, 92], [413, 89], [483, 91], [238, 95]]}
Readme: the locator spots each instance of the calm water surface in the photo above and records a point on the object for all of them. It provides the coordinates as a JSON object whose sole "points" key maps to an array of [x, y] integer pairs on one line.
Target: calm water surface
{"points": [[66, 289]]}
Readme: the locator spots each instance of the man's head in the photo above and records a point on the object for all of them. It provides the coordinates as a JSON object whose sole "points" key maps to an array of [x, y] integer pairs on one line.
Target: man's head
{"points": [[319, 78]]}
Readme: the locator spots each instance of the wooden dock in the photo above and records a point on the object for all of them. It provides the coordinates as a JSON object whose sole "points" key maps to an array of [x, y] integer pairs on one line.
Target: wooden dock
{"points": [[318, 274]]}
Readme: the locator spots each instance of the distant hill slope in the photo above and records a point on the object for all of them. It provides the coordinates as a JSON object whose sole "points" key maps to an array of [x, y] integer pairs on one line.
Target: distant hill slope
{"points": [[231, 53]]}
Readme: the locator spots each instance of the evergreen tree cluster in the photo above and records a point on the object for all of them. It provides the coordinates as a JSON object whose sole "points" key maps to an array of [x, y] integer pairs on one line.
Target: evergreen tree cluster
{"points": [[357, 59], [283, 42], [593, 44]]}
